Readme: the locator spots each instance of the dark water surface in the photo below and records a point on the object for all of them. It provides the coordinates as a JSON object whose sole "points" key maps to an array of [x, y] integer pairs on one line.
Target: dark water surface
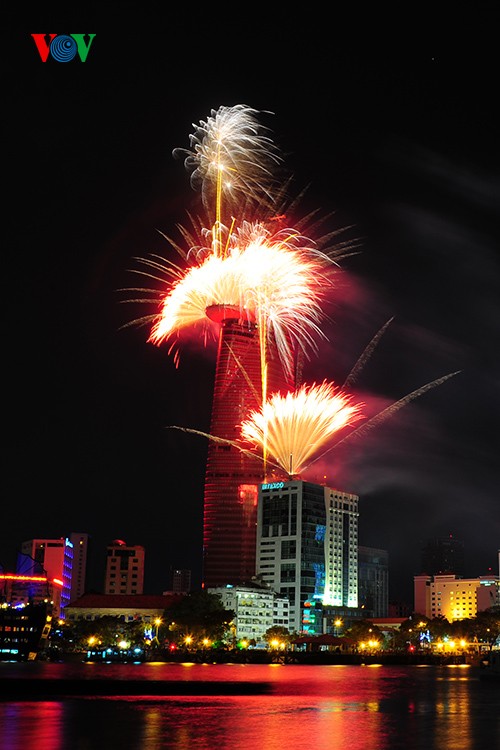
{"points": [[303, 707]]}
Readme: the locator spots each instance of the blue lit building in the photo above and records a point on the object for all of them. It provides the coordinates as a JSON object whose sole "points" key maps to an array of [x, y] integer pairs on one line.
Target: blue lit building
{"points": [[55, 558], [307, 549]]}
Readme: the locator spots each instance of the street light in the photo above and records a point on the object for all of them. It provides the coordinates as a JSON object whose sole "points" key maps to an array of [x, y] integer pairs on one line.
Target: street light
{"points": [[157, 623]]}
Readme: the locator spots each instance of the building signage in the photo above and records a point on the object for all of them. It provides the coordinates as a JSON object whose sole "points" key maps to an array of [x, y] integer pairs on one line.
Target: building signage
{"points": [[273, 486]]}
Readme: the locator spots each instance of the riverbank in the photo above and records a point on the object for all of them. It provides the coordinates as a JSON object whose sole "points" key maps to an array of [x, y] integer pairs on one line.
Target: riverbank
{"points": [[261, 656]]}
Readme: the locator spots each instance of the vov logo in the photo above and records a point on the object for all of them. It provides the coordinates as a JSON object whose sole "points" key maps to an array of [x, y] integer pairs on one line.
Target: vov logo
{"points": [[63, 47]]}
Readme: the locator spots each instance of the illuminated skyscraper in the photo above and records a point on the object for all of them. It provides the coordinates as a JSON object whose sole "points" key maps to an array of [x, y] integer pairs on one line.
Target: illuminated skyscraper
{"points": [[232, 478], [307, 549]]}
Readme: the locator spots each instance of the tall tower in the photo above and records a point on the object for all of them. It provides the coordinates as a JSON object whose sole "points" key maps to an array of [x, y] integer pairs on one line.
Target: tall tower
{"points": [[232, 478]]}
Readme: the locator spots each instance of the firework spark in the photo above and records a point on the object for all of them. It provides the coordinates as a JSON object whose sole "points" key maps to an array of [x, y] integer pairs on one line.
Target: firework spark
{"points": [[231, 158]]}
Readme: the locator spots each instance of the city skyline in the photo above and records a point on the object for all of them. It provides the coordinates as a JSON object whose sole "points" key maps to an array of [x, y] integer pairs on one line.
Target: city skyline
{"points": [[406, 158], [440, 558]]}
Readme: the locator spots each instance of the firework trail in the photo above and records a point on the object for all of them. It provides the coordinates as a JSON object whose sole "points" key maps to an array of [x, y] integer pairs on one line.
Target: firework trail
{"points": [[365, 355], [388, 412], [294, 427]]}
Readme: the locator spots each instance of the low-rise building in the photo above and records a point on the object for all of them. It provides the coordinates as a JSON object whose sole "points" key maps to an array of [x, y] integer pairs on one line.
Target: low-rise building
{"points": [[455, 598], [256, 610], [128, 607]]}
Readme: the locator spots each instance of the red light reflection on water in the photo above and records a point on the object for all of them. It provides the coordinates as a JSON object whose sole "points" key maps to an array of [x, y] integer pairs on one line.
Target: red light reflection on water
{"points": [[328, 708], [47, 717]]}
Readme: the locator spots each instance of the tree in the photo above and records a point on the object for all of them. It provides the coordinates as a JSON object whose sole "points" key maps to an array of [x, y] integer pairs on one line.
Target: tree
{"points": [[277, 635], [488, 625], [364, 631], [105, 631], [199, 615]]}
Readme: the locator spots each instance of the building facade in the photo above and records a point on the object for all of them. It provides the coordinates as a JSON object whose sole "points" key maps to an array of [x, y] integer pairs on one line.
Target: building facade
{"points": [[129, 608], [179, 580], [256, 610], [232, 478], [455, 598], [55, 557], [373, 581], [80, 542], [19, 589], [124, 569], [444, 555], [307, 540]]}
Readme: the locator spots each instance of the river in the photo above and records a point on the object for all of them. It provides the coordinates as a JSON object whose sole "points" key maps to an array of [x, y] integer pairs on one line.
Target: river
{"points": [[272, 707]]}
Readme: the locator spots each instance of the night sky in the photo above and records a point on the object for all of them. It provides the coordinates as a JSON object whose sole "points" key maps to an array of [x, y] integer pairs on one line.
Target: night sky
{"points": [[400, 146]]}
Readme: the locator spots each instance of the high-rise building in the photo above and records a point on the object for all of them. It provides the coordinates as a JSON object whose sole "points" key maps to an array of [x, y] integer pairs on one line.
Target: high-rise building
{"points": [[307, 549], [180, 580], [124, 568], [373, 581], [80, 542], [232, 478], [442, 556], [55, 557]]}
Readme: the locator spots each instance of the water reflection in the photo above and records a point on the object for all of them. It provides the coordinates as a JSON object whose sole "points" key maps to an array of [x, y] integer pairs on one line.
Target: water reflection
{"points": [[325, 707], [18, 721]]}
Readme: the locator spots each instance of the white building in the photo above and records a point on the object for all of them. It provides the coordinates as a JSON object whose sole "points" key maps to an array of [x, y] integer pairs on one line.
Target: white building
{"points": [[307, 548], [256, 610]]}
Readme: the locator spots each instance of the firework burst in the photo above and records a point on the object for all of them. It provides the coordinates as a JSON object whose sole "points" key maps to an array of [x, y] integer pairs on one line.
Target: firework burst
{"points": [[271, 277], [232, 159], [277, 281], [291, 428]]}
